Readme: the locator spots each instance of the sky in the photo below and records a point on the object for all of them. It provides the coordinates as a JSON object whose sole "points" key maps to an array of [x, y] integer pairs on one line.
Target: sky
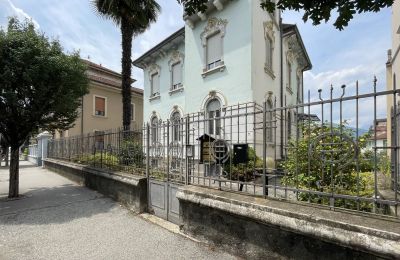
{"points": [[338, 57]]}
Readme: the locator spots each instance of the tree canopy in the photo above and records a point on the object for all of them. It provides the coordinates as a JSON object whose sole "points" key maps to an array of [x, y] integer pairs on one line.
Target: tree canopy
{"points": [[315, 10], [40, 86], [133, 17]]}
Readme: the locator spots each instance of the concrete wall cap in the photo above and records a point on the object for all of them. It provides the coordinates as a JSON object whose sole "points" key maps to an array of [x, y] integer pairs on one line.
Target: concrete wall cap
{"points": [[345, 229]]}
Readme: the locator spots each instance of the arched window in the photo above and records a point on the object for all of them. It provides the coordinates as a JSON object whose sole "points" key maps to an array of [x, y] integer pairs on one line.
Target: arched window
{"points": [[289, 125], [175, 123], [213, 110], [269, 123], [154, 129]]}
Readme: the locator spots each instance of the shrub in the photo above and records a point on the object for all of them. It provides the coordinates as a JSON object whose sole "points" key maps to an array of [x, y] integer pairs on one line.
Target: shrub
{"points": [[329, 166], [243, 171], [131, 153]]}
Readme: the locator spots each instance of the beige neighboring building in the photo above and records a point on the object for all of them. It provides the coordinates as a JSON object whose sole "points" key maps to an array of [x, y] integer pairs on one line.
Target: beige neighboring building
{"points": [[102, 107], [393, 65]]}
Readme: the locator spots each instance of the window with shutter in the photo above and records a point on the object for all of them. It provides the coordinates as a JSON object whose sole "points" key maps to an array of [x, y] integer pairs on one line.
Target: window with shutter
{"points": [[269, 53], [155, 85], [100, 106], [176, 76], [214, 51]]}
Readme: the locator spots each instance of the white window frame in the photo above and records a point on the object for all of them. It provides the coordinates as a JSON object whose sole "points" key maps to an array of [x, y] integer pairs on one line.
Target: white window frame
{"points": [[211, 121], [105, 106], [176, 58], [153, 70], [152, 92], [214, 26]]}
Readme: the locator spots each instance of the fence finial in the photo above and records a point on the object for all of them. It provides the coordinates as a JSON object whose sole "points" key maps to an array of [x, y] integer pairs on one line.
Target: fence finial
{"points": [[343, 90], [319, 93]]}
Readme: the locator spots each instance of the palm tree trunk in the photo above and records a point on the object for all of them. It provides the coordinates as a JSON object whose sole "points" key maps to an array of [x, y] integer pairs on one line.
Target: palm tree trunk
{"points": [[13, 190], [127, 37]]}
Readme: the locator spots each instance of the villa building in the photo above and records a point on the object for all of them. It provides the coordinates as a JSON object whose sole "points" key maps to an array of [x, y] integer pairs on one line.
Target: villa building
{"points": [[101, 108], [378, 135], [234, 53]]}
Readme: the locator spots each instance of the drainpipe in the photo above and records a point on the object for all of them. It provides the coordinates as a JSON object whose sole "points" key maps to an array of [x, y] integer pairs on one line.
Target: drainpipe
{"points": [[281, 93]]}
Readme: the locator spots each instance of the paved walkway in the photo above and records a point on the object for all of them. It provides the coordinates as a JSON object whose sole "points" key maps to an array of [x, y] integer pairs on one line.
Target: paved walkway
{"points": [[56, 219]]}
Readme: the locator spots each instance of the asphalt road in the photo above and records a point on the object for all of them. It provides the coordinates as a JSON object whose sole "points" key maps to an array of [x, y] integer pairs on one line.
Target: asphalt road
{"points": [[57, 219]]}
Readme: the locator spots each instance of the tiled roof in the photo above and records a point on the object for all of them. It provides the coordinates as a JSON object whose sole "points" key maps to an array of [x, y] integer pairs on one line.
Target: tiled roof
{"points": [[106, 81]]}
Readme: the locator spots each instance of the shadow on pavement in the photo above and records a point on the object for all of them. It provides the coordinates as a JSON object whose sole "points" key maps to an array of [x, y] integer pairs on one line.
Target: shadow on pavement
{"points": [[52, 205], [21, 166]]}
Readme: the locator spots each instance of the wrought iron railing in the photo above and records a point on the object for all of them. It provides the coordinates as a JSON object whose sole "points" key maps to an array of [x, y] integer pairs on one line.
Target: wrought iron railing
{"points": [[327, 151], [116, 150]]}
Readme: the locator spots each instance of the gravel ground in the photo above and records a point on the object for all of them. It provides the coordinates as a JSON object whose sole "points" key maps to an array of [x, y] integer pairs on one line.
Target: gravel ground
{"points": [[56, 219]]}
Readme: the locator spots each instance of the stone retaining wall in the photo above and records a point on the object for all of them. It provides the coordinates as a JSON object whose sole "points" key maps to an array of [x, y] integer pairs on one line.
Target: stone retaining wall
{"points": [[258, 228], [129, 190]]}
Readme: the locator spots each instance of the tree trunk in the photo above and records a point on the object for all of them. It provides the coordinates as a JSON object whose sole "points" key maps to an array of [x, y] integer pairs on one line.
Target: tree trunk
{"points": [[127, 36], [13, 191]]}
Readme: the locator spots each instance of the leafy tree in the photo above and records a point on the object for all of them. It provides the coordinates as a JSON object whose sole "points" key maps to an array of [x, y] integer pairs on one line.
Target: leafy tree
{"points": [[316, 10], [40, 88], [133, 17]]}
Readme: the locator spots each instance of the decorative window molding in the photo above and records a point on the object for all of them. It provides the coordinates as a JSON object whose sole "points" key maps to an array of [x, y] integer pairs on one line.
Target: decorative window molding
{"points": [[175, 116], [174, 109], [215, 26], [269, 36], [212, 95], [154, 69], [176, 58]]}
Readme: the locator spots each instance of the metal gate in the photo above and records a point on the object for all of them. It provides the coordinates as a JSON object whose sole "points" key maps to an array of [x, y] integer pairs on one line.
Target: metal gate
{"points": [[166, 167]]}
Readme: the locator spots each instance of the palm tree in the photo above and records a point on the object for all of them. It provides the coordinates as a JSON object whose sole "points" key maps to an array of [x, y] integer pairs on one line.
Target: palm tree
{"points": [[133, 17]]}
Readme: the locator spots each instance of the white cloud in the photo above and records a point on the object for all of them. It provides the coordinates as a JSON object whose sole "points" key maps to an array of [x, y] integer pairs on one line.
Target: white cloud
{"points": [[10, 10]]}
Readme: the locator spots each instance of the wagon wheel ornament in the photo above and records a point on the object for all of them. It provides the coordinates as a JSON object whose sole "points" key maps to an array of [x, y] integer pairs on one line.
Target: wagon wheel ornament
{"points": [[220, 150], [333, 148]]}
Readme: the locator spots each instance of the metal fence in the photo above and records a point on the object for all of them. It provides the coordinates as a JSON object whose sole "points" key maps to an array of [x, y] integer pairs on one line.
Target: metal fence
{"points": [[326, 151], [117, 150]]}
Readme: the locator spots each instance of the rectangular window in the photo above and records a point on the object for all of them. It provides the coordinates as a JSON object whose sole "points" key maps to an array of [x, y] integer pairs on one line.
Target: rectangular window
{"points": [[99, 106], [214, 127], [269, 53], [214, 51], [176, 76], [132, 112], [155, 85]]}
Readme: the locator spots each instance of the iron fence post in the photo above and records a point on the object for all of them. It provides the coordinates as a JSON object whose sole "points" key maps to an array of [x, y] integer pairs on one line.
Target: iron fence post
{"points": [[147, 152], [186, 150], [264, 150]]}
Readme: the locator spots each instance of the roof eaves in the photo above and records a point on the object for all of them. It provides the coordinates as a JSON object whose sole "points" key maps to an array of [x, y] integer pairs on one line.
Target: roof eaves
{"points": [[138, 61], [289, 29]]}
